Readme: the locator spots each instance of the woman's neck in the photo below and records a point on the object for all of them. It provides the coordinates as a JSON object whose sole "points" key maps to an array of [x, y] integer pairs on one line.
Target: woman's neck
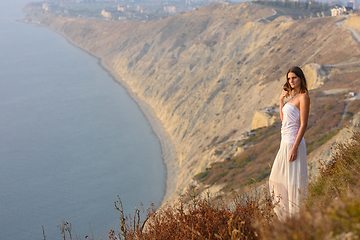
{"points": [[295, 91]]}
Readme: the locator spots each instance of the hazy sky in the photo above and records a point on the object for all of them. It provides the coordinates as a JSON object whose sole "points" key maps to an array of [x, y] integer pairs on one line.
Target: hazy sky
{"points": [[11, 7], [15, 2]]}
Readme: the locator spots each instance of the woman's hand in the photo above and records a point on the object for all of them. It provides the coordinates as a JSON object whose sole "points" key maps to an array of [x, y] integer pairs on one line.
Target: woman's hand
{"points": [[284, 94], [293, 154]]}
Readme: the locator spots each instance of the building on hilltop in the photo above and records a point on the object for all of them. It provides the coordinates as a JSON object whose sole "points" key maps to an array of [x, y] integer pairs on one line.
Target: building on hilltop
{"points": [[113, 15], [46, 6], [106, 14], [121, 8], [337, 11], [170, 9]]}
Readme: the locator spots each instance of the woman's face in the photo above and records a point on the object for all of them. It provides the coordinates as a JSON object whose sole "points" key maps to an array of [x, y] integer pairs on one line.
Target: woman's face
{"points": [[294, 80]]}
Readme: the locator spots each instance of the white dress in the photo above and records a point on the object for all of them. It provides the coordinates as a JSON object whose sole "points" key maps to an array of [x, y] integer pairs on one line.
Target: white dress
{"points": [[288, 180]]}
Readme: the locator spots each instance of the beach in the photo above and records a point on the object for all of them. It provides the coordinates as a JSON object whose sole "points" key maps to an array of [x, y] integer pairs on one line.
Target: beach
{"points": [[167, 147]]}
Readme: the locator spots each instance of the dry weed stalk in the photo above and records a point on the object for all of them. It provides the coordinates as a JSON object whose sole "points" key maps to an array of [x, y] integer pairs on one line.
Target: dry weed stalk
{"points": [[64, 227], [43, 230], [198, 219], [122, 218]]}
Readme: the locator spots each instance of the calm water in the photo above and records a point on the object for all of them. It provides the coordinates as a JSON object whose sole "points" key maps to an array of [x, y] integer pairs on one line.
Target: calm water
{"points": [[70, 137]]}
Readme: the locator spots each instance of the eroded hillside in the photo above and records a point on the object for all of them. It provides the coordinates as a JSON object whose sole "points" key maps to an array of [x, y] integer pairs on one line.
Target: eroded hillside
{"points": [[207, 71]]}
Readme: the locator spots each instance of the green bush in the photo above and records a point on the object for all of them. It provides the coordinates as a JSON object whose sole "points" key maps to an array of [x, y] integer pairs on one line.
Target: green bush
{"points": [[328, 107], [200, 175]]}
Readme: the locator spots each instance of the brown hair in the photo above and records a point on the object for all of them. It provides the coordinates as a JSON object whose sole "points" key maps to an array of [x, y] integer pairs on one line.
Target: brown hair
{"points": [[298, 72], [287, 87]]}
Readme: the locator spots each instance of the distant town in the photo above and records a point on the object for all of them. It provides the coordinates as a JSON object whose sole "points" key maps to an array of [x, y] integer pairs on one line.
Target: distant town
{"points": [[119, 10], [145, 10]]}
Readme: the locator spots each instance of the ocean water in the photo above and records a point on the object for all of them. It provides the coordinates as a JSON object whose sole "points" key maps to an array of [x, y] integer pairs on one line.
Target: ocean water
{"points": [[71, 138]]}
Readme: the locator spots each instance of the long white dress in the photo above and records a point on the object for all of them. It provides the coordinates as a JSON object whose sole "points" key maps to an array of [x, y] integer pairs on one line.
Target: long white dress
{"points": [[288, 180]]}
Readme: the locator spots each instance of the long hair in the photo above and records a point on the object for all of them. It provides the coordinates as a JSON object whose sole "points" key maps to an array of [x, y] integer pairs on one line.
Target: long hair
{"points": [[298, 72]]}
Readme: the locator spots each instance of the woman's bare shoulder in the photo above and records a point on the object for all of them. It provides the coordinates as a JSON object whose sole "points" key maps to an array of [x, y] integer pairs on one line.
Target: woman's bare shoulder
{"points": [[304, 96]]}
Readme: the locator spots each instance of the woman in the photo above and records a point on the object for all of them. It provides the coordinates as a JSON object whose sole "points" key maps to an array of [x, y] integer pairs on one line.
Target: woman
{"points": [[288, 179]]}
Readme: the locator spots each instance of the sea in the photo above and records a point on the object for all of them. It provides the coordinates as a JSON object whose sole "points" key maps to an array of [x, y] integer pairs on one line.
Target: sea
{"points": [[71, 138]]}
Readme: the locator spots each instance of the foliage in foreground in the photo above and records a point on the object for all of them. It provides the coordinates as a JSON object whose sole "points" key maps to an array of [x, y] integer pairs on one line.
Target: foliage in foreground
{"points": [[331, 211], [201, 219]]}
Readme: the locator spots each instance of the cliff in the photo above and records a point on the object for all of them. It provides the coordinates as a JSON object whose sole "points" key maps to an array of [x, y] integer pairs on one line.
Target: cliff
{"points": [[262, 119], [204, 73], [353, 22]]}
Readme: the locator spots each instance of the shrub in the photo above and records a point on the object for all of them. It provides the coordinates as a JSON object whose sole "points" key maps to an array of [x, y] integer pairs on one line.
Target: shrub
{"points": [[200, 219], [200, 176], [328, 107], [332, 209]]}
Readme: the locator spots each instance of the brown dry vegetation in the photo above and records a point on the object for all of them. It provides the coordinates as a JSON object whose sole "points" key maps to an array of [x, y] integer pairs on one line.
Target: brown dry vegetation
{"points": [[252, 165], [353, 107], [324, 120], [201, 219], [331, 210]]}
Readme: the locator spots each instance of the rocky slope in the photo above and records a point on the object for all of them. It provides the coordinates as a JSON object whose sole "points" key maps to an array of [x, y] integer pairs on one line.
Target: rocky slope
{"points": [[325, 151], [204, 73], [354, 22]]}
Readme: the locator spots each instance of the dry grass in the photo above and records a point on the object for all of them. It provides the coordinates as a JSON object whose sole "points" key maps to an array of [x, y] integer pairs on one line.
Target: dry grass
{"points": [[200, 219], [331, 211], [250, 166]]}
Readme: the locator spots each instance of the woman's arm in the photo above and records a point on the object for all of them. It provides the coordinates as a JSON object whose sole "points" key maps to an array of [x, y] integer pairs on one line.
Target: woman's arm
{"points": [[283, 95], [304, 115]]}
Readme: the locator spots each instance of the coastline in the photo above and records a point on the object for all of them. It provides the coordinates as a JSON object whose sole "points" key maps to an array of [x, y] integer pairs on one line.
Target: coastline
{"points": [[168, 150]]}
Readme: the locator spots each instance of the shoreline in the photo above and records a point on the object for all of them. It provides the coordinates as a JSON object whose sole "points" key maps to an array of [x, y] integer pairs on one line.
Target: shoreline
{"points": [[168, 150]]}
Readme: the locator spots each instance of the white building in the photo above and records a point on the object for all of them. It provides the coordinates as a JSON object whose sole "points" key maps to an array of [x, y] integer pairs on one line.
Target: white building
{"points": [[106, 14], [170, 9], [121, 8], [337, 11], [46, 6]]}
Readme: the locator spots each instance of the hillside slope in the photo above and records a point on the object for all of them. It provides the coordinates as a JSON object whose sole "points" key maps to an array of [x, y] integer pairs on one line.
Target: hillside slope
{"points": [[205, 72]]}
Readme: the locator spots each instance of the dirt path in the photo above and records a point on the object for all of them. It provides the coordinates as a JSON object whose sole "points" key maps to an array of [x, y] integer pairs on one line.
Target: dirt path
{"points": [[341, 64], [265, 18], [353, 33], [356, 97]]}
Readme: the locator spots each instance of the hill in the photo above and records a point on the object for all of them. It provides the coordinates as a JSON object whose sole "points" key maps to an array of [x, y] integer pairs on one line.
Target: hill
{"points": [[204, 74]]}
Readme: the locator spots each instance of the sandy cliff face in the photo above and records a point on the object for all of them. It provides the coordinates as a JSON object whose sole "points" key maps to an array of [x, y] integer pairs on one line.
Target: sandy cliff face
{"points": [[262, 119], [325, 152], [205, 72], [354, 22]]}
